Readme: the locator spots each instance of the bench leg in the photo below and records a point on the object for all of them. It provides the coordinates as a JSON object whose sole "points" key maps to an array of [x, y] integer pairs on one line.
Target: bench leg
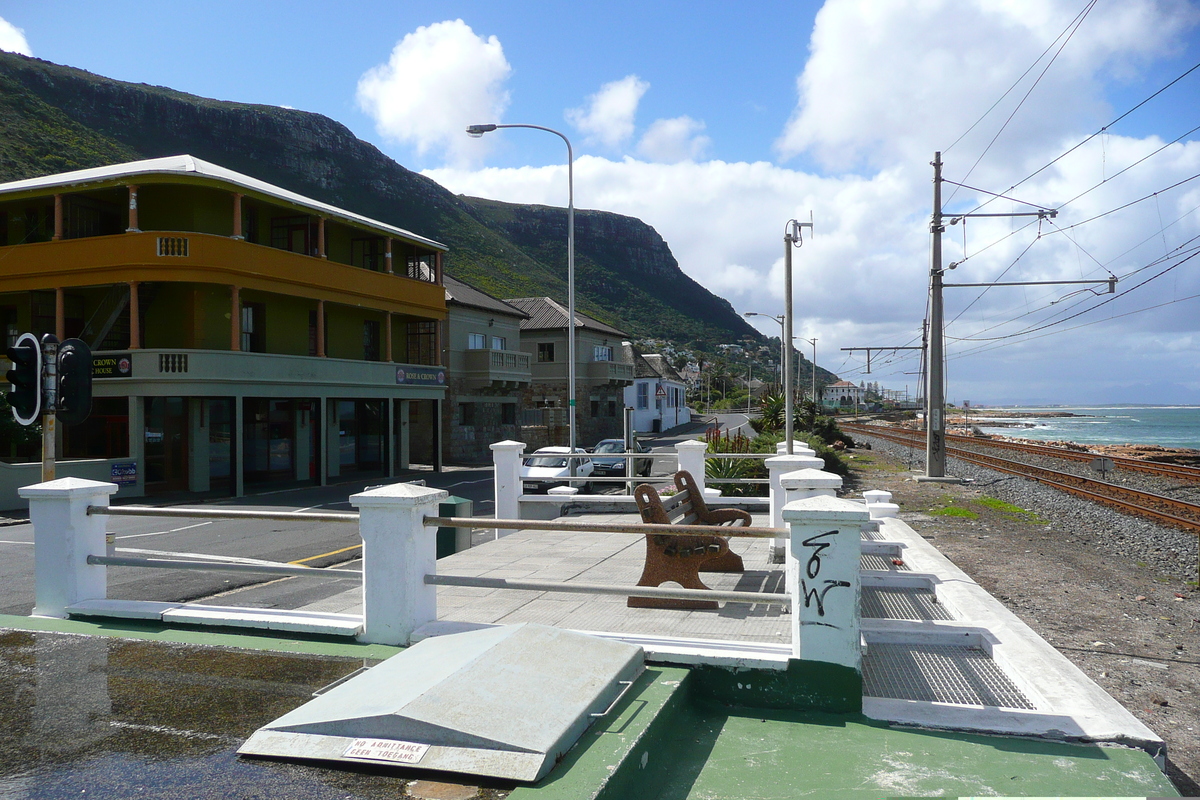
{"points": [[661, 568], [728, 561]]}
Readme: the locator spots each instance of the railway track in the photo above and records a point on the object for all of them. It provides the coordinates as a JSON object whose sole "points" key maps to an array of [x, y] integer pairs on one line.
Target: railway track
{"points": [[1132, 464], [1165, 510]]}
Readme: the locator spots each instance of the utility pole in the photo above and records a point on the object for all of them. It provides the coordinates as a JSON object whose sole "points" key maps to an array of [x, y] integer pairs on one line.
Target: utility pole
{"points": [[935, 434], [791, 238], [935, 399]]}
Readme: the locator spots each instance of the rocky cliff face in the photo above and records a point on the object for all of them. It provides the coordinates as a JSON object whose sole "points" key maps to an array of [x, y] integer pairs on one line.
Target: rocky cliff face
{"points": [[55, 118]]}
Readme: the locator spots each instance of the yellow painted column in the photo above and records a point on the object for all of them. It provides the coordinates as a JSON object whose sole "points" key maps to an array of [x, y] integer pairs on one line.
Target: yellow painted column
{"points": [[320, 329], [237, 215], [133, 210], [58, 219], [60, 314], [387, 335], [135, 318], [235, 318]]}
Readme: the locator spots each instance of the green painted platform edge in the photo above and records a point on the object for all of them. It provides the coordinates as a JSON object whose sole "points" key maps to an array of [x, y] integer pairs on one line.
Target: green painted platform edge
{"points": [[604, 764], [803, 686], [203, 636]]}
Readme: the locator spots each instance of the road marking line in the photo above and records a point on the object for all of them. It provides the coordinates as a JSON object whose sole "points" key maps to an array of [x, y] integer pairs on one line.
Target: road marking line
{"points": [[325, 555], [160, 533]]}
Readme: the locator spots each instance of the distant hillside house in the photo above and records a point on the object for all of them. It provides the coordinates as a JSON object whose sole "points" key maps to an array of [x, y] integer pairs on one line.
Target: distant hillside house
{"points": [[842, 393], [601, 375], [244, 335], [657, 395], [487, 372]]}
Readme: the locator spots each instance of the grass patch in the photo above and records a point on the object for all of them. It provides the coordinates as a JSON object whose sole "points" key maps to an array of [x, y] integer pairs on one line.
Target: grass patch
{"points": [[996, 504], [954, 511]]}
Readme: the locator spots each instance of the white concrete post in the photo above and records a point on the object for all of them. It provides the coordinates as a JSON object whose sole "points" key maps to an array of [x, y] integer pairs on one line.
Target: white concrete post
{"points": [[799, 448], [63, 537], [873, 496], [823, 571], [506, 456], [776, 467], [691, 459], [399, 550]]}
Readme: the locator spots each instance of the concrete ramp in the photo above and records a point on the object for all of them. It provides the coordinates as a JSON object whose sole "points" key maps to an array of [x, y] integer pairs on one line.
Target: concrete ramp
{"points": [[502, 702]]}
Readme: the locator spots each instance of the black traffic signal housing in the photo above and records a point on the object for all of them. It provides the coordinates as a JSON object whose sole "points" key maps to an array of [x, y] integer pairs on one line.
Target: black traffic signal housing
{"points": [[25, 379], [74, 382]]}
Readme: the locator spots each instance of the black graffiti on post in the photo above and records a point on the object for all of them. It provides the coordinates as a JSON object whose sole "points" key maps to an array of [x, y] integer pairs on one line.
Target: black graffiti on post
{"points": [[812, 568]]}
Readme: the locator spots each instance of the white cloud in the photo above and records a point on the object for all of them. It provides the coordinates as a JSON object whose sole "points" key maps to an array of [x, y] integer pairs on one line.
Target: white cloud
{"points": [[438, 80], [902, 79], [862, 279], [672, 140], [12, 39], [608, 118]]}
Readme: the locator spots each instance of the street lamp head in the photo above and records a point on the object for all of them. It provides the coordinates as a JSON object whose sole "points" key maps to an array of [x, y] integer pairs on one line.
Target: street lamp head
{"points": [[479, 130]]}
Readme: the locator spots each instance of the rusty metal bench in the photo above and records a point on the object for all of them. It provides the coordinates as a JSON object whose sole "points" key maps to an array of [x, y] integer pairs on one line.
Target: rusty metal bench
{"points": [[682, 558]]}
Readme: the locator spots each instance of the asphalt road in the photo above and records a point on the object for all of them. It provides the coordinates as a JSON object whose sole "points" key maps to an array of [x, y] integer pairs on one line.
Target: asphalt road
{"points": [[317, 544]]}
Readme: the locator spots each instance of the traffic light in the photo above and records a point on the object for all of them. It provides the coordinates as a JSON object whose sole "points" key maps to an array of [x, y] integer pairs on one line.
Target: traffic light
{"points": [[25, 379], [74, 382]]}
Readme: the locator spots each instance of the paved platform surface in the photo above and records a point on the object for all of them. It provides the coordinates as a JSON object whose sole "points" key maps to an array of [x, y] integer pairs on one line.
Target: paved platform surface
{"points": [[605, 558]]}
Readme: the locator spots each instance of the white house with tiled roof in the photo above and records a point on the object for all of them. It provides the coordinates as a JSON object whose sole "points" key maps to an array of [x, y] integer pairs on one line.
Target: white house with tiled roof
{"points": [[842, 393], [657, 395]]}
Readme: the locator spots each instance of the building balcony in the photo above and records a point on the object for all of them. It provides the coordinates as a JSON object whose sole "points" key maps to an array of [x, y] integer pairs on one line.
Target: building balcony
{"points": [[207, 258], [497, 369], [182, 372], [615, 372]]}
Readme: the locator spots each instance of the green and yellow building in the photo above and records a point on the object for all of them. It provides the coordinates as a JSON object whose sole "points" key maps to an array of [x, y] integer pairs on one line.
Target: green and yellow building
{"points": [[244, 335]]}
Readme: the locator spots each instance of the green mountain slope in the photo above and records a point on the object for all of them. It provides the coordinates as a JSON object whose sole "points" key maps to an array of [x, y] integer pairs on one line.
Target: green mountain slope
{"points": [[55, 118]]}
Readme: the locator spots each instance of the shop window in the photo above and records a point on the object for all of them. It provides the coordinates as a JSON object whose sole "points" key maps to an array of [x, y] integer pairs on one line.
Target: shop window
{"points": [[508, 413], [476, 341], [104, 434], [466, 413], [545, 352]]}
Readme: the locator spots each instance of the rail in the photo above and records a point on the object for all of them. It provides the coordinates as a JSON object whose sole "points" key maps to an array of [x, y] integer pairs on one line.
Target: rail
{"points": [[1159, 508], [222, 513], [605, 589], [285, 570]]}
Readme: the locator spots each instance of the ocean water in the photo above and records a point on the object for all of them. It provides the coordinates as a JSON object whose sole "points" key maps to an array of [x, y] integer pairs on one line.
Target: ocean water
{"points": [[1169, 426]]}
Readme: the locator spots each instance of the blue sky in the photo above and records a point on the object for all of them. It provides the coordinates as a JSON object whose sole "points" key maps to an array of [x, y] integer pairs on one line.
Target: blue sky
{"points": [[716, 123]]}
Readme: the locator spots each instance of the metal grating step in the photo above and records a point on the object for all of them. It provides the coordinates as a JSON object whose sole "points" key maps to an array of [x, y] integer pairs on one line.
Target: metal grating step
{"points": [[876, 561], [890, 602], [938, 673]]}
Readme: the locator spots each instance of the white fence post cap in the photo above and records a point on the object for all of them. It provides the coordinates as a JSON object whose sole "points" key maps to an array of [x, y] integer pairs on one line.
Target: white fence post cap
{"points": [[398, 494], [67, 487], [507, 444], [810, 479], [825, 509]]}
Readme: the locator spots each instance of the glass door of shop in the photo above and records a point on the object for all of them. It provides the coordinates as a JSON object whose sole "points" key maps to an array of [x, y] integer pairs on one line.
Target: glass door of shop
{"points": [[166, 443]]}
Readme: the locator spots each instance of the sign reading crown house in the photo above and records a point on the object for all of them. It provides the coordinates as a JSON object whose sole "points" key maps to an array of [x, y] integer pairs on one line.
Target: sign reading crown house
{"points": [[418, 376], [118, 365]]}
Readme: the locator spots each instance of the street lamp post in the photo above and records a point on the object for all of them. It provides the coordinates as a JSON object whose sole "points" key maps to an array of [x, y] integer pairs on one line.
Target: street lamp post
{"points": [[785, 355], [480, 130]]}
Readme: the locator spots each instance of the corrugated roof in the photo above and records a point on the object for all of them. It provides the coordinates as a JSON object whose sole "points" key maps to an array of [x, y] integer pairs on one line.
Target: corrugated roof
{"points": [[546, 314], [185, 164], [464, 294]]}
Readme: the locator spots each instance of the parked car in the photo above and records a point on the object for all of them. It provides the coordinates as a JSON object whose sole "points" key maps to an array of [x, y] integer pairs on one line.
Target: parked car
{"points": [[547, 467], [616, 466]]}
